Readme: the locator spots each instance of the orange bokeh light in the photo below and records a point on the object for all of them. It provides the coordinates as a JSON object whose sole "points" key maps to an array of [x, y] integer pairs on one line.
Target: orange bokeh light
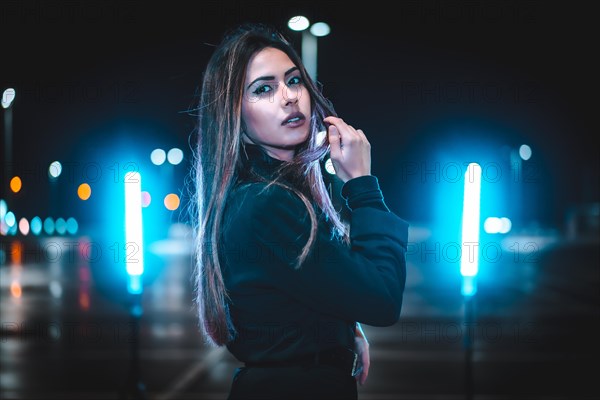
{"points": [[15, 289], [84, 191], [171, 201], [16, 184]]}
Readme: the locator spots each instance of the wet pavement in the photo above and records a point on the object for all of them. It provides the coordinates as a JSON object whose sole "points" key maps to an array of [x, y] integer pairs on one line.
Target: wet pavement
{"points": [[530, 332]]}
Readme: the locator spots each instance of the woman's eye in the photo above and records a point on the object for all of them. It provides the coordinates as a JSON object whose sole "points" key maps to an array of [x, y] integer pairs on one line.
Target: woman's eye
{"points": [[295, 80], [262, 89]]}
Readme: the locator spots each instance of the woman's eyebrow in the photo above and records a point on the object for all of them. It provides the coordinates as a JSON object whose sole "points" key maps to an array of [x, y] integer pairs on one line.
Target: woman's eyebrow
{"points": [[271, 77]]}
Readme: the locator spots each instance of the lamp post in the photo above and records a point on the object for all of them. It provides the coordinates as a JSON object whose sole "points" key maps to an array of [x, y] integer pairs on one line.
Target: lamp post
{"points": [[469, 262], [134, 387], [7, 98], [309, 41], [517, 156]]}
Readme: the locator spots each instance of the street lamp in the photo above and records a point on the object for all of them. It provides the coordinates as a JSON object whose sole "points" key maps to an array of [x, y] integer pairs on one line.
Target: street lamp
{"points": [[469, 261], [309, 41], [134, 387], [7, 98], [517, 156]]}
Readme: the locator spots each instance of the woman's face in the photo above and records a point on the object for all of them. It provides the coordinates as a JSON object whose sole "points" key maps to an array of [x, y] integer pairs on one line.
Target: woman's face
{"points": [[276, 106]]}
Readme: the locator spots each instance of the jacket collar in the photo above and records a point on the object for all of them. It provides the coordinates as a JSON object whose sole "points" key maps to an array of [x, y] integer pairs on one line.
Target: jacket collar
{"points": [[257, 160]]}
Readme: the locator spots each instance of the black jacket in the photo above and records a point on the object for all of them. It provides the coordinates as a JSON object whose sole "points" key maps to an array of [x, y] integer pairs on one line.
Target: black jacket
{"points": [[280, 312]]}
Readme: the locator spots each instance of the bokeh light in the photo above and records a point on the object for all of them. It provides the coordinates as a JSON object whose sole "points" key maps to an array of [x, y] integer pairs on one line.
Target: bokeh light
{"points": [[146, 199], [61, 226], [10, 219], [16, 184], [12, 230], [320, 29], [505, 225], [49, 226], [15, 289], [525, 152], [36, 225], [7, 97], [16, 252], [24, 226], [84, 191], [329, 166], [55, 289], [171, 201], [3, 208], [492, 225], [175, 156], [298, 23], [72, 226], [55, 169], [158, 156]]}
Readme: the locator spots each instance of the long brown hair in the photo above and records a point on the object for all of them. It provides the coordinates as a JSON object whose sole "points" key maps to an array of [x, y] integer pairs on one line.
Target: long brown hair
{"points": [[218, 163]]}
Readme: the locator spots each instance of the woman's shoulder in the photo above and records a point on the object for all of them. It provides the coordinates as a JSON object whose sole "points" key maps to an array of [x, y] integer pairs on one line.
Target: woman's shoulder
{"points": [[254, 205]]}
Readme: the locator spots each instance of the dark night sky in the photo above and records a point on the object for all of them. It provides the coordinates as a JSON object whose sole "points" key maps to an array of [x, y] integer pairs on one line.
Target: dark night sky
{"points": [[86, 72]]}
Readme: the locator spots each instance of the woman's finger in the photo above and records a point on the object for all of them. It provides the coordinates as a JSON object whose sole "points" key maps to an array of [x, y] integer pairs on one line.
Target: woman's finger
{"points": [[347, 133], [335, 144]]}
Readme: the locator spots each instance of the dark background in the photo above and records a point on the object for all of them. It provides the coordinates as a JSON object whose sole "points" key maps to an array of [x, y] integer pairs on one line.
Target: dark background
{"points": [[433, 84], [417, 77]]}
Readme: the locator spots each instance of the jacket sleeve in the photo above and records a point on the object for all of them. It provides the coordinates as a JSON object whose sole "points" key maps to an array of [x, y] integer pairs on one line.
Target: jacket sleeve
{"points": [[363, 282]]}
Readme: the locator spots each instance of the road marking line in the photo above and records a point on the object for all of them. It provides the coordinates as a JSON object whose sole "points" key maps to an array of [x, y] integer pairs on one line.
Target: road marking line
{"points": [[213, 357]]}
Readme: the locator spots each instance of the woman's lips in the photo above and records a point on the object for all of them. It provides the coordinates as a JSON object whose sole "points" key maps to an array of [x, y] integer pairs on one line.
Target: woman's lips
{"points": [[294, 118], [295, 123]]}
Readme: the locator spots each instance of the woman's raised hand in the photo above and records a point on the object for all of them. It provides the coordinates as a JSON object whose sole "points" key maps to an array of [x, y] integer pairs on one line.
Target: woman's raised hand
{"points": [[350, 150]]}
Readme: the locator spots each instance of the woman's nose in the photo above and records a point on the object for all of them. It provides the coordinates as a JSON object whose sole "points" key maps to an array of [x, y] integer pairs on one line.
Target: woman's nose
{"points": [[290, 95]]}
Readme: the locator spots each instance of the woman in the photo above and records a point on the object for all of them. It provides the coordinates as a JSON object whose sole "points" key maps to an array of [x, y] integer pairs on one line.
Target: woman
{"points": [[282, 280]]}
